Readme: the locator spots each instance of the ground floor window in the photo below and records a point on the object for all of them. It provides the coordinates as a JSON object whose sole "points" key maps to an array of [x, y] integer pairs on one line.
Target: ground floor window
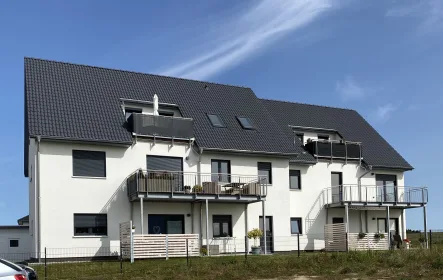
{"points": [[13, 243], [90, 224], [166, 224], [296, 226], [221, 225], [337, 220]]}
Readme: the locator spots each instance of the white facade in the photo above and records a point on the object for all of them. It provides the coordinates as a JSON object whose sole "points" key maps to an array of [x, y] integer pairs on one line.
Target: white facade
{"points": [[62, 195]]}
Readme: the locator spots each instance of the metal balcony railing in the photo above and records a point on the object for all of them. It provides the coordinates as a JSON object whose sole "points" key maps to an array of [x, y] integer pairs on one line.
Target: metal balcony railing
{"points": [[335, 149], [150, 181], [375, 194], [162, 126]]}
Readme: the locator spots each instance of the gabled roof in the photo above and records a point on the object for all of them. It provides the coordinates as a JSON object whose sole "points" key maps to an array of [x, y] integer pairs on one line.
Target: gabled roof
{"points": [[79, 102], [349, 124]]}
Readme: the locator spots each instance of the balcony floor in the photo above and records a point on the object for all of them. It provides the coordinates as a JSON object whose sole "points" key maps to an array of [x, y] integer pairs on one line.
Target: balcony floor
{"points": [[393, 205], [193, 197]]}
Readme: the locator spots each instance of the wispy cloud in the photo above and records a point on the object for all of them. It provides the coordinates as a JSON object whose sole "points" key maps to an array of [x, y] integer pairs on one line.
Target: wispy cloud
{"points": [[429, 14], [384, 112], [349, 89], [245, 35]]}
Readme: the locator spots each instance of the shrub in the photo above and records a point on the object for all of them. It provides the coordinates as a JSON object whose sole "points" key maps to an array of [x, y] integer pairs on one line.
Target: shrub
{"points": [[255, 234], [197, 189], [361, 235]]}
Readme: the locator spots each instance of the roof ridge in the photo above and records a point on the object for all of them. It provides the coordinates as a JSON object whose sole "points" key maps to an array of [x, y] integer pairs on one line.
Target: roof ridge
{"points": [[313, 105], [132, 71]]}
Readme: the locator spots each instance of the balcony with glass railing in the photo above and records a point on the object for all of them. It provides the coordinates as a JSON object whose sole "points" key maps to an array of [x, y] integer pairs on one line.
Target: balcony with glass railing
{"points": [[161, 126]]}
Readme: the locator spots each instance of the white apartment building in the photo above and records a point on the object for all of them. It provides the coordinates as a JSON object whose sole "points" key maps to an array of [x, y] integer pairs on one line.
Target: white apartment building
{"points": [[212, 160]]}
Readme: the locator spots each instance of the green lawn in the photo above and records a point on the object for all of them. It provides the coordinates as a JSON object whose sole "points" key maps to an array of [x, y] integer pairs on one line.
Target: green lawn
{"points": [[399, 264]]}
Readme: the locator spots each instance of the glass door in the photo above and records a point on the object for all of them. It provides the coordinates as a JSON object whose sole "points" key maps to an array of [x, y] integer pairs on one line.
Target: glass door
{"points": [[386, 187], [269, 235], [337, 186]]}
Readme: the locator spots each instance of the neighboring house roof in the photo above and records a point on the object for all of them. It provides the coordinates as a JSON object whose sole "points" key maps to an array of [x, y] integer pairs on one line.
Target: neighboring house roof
{"points": [[23, 220], [349, 124], [76, 102], [14, 227]]}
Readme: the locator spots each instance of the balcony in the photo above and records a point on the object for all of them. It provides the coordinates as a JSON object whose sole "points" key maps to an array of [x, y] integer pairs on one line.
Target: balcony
{"points": [[398, 196], [188, 186], [161, 126], [335, 149]]}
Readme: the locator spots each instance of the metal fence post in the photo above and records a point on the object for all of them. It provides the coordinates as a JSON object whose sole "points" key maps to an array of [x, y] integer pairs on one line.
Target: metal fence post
{"points": [[246, 248], [430, 239], [121, 264], [298, 244], [46, 267], [187, 252]]}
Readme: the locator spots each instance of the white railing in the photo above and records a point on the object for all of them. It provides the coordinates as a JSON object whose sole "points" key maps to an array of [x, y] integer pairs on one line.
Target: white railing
{"points": [[375, 194]]}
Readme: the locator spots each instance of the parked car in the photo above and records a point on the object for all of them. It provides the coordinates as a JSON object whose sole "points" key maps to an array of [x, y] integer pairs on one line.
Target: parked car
{"points": [[32, 275], [11, 271]]}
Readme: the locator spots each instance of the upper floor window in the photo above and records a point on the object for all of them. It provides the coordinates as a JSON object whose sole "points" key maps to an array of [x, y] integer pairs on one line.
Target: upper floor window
{"points": [[88, 163], [265, 171], [323, 137], [129, 111], [245, 122], [221, 170], [90, 224], [216, 120], [294, 180], [300, 137]]}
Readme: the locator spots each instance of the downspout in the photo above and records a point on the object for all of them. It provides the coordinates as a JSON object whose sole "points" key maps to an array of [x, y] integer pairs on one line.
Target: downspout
{"points": [[37, 197]]}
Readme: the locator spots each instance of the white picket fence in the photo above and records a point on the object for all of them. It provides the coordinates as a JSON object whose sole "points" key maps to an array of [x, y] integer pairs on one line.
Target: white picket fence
{"points": [[143, 246], [336, 239]]}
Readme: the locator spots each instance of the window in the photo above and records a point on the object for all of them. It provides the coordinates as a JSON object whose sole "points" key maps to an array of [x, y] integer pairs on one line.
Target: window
{"points": [[265, 171], [323, 137], [301, 137], [90, 224], [337, 220], [221, 169], [89, 163], [245, 122], [166, 113], [13, 243], [129, 111], [216, 120], [296, 226], [294, 180], [221, 225]]}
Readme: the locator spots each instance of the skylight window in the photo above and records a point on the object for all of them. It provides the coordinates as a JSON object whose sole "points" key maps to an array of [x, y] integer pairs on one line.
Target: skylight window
{"points": [[245, 122], [216, 120]]}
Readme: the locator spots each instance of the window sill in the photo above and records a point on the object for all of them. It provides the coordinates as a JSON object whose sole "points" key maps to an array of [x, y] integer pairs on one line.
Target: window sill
{"points": [[86, 177], [295, 190], [90, 236], [295, 234]]}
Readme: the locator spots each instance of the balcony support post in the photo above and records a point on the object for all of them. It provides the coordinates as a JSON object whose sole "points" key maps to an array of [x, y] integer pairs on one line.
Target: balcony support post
{"points": [[246, 228], [200, 231], [366, 221], [192, 217], [141, 214], [388, 225], [425, 225], [347, 217], [207, 227], [264, 226]]}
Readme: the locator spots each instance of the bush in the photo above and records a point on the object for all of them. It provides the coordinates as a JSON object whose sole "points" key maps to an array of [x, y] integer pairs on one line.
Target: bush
{"points": [[361, 235]]}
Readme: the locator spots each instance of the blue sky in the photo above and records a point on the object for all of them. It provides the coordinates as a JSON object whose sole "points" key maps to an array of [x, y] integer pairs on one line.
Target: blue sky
{"points": [[382, 58]]}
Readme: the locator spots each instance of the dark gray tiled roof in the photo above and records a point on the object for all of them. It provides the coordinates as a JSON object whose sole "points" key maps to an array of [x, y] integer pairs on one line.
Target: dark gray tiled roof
{"points": [[78, 102], [350, 124], [22, 220]]}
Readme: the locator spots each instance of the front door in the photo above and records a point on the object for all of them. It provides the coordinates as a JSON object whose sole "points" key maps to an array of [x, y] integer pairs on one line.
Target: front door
{"points": [[386, 187], [337, 186], [166, 224], [269, 234]]}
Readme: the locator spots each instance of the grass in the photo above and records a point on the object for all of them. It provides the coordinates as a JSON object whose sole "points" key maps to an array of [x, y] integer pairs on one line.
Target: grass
{"points": [[399, 264]]}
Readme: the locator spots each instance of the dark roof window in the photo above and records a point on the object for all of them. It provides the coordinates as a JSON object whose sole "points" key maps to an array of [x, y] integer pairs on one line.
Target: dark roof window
{"points": [[245, 122], [216, 120]]}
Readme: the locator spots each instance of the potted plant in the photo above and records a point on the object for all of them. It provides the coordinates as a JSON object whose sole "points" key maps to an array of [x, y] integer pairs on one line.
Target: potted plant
{"points": [[187, 189], [379, 235], [361, 235], [407, 243], [203, 251], [197, 189], [255, 234]]}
